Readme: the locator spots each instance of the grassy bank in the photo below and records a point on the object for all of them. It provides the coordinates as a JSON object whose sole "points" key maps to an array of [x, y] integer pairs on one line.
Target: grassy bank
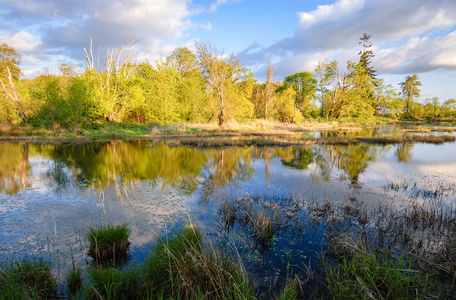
{"points": [[257, 133]]}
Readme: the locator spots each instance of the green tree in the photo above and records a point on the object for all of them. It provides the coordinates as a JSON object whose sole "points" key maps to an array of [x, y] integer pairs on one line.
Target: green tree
{"points": [[432, 107], [229, 84], [191, 91], [305, 86], [112, 81], [9, 75], [333, 88], [11, 60], [410, 90], [449, 108]]}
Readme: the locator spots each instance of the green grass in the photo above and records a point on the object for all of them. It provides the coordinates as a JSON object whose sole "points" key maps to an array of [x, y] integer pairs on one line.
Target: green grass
{"points": [[74, 280], [113, 283], [367, 276], [181, 267], [28, 279], [109, 242]]}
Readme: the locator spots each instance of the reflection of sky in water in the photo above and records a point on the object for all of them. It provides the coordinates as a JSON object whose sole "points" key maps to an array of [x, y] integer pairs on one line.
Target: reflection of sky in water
{"points": [[28, 217]]}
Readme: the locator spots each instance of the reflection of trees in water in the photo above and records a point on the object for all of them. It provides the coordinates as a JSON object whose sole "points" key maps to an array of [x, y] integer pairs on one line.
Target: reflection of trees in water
{"points": [[297, 158], [14, 167], [352, 160], [225, 166], [404, 152], [122, 166]]}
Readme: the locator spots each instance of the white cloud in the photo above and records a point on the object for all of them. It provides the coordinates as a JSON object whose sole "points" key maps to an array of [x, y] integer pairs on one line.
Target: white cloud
{"points": [[408, 35], [213, 7], [22, 41], [333, 12]]}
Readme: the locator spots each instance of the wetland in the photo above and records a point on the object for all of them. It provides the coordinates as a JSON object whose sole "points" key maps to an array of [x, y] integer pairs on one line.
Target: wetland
{"points": [[295, 212]]}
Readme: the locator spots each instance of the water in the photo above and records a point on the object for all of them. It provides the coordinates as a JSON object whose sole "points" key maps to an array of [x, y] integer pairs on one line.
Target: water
{"points": [[50, 194]]}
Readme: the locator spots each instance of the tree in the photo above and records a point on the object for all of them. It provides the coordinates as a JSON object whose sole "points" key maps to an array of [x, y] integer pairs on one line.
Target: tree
{"points": [[449, 108], [333, 88], [229, 83], [410, 90], [269, 88], [191, 87], [9, 59], [112, 81], [366, 55], [432, 107], [9, 75], [305, 87]]}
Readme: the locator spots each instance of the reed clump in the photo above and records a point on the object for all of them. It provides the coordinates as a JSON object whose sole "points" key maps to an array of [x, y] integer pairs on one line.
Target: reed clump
{"points": [[27, 279], [74, 280], [109, 242], [367, 276], [181, 267]]}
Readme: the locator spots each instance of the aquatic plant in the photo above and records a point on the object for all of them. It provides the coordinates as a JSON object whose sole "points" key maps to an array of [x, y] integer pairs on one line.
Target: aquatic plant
{"points": [[27, 279], [113, 283], [73, 280], [109, 242], [180, 267], [368, 276]]}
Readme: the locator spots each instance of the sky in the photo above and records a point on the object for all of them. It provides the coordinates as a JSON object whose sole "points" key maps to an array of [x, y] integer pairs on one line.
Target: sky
{"points": [[408, 36]]}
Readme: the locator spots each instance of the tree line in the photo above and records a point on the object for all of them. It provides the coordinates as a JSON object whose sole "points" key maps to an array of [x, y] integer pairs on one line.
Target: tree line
{"points": [[203, 86]]}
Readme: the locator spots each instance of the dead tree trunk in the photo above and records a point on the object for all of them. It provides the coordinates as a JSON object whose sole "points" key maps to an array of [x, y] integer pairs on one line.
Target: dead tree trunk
{"points": [[10, 91]]}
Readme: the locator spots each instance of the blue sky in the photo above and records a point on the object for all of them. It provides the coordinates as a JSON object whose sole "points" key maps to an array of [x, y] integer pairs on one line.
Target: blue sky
{"points": [[408, 36]]}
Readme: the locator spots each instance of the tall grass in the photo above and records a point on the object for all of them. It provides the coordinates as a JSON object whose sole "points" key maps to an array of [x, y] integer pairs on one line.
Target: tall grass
{"points": [[181, 267], [366, 276], [28, 279]]}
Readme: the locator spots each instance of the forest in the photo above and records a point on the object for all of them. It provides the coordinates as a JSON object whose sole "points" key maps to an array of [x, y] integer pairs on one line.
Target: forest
{"points": [[204, 86]]}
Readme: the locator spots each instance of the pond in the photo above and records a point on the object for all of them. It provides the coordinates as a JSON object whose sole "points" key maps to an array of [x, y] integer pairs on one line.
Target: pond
{"points": [[51, 194]]}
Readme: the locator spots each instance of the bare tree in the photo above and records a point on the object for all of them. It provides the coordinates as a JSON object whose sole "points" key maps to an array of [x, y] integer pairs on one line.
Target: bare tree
{"points": [[10, 90], [269, 88]]}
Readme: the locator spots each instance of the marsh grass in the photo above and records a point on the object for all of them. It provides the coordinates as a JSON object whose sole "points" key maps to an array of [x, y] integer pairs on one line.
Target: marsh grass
{"points": [[113, 283], [367, 276], [181, 267], [27, 279], [261, 219], [109, 243], [73, 280]]}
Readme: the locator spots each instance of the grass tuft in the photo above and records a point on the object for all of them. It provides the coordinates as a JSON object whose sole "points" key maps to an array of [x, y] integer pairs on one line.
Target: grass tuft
{"points": [[109, 243], [180, 267], [74, 281]]}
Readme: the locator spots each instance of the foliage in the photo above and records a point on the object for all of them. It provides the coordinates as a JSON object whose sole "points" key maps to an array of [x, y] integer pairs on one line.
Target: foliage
{"points": [[201, 87], [410, 90], [304, 85]]}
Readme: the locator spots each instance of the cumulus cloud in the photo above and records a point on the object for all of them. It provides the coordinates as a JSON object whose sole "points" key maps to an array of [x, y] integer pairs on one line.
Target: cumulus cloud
{"points": [[22, 41], [56, 27], [408, 35]]}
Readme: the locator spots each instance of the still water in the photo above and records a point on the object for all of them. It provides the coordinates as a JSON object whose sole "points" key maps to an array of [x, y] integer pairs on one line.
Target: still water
{"points": [[51, 194]]}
